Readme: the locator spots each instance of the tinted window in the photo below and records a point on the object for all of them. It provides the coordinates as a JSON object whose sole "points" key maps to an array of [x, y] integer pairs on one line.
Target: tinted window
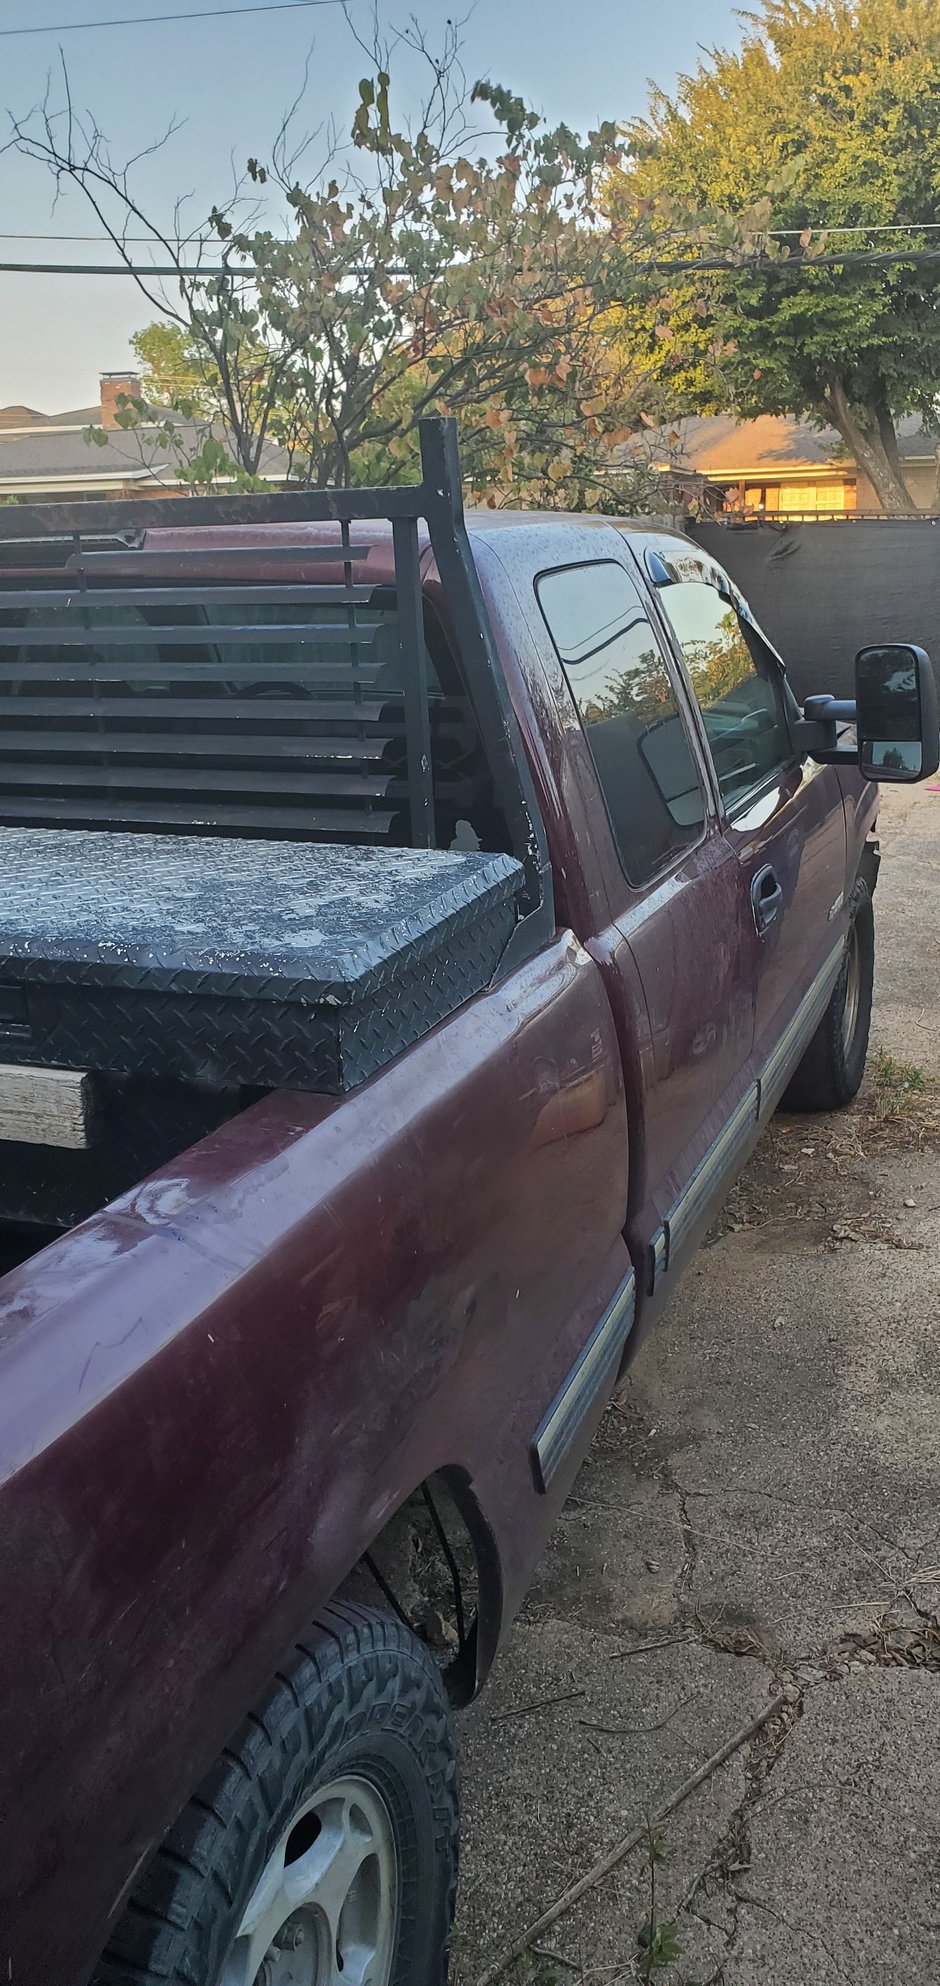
{"points": [[738, 692], [629, 712]]}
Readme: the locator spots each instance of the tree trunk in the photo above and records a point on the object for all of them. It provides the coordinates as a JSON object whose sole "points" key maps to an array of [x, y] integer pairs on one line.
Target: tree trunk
{"points": [[871, 441], [889, 439]]}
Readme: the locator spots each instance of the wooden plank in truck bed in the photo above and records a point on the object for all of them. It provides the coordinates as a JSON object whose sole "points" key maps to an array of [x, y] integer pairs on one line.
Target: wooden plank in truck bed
{"points": [[45, 1106]]}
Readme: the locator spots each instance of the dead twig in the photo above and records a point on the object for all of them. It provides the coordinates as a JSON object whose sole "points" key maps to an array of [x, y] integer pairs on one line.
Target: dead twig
{"points": [[625, 1847], [647, 1647], [541, 1703], [635, 1730]]}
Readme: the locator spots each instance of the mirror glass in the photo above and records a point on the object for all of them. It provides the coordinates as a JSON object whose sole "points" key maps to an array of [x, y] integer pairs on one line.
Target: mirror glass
{"points": [[887, 689]]}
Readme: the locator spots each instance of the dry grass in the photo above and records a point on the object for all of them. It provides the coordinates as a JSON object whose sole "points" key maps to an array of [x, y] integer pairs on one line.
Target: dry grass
{"points": [[812, 1169], [900, 1091]]}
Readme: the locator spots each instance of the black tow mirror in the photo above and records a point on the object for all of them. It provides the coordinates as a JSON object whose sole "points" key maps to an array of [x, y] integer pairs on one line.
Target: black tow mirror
{"points": [[896, 713]]}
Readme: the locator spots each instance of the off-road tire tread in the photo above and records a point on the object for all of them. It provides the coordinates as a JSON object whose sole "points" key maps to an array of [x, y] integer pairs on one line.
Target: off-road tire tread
{"points": [[355, 1668]]}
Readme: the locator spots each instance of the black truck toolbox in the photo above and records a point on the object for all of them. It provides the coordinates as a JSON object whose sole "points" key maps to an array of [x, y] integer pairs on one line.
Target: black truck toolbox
{"points": [[230, 963]]}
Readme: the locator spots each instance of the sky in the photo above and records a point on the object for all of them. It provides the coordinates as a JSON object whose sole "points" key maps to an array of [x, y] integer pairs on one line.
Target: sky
{"points": [[228, 82]]}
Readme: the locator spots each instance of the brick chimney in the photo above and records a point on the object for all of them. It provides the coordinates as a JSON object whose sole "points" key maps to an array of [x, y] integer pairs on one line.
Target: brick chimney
{"points": [[113, 383]]}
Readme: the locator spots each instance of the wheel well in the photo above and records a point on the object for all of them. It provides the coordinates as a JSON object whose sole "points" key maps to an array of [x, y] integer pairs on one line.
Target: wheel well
{"points": [[870, 862], [435, 1565]]}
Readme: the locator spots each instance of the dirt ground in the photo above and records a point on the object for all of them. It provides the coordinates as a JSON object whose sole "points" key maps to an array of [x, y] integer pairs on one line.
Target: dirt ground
{"points": [[757, 1527]]}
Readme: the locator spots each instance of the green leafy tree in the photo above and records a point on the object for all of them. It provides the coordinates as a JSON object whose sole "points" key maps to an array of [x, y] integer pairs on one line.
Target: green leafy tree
{"points": [[436, 267], [826, 119], [172, 368]]}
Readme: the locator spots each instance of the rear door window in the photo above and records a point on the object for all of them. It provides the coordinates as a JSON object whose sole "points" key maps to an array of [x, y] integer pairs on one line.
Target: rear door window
{"points": [[629, 711]]}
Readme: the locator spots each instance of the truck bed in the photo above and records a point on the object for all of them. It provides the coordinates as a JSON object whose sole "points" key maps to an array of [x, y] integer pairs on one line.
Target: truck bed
{"points": [[231, 963]]}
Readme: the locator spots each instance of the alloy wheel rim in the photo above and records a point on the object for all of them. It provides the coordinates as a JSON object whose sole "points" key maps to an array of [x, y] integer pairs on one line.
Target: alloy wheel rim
{"points": [[324, 1910], [853, 980]]}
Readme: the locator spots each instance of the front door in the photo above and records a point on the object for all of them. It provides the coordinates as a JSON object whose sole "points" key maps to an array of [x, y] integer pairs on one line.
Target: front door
{"points": [[784, 819], [672, 940]]}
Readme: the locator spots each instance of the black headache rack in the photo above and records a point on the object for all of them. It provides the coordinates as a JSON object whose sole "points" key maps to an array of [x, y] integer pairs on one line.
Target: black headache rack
{"points": [[256, 832], [85, 681]]}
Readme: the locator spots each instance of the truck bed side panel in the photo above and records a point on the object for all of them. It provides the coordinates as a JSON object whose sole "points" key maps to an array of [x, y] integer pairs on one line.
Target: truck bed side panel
{"points": [[214, 1394]]}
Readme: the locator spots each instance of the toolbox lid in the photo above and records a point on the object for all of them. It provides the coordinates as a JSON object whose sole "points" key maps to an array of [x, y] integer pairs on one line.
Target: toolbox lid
{"points": [[280, 920]]}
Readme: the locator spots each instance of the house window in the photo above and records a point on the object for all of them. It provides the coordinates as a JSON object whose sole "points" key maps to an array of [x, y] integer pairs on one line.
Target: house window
{"points": [[790, 499], [817, 498]]}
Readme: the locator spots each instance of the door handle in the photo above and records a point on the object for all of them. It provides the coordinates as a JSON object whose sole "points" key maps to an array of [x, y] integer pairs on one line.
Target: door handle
{"points": [[766, 897]]}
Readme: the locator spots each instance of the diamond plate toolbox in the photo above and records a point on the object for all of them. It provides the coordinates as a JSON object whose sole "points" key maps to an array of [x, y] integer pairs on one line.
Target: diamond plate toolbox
{"points": [[270, 964]]}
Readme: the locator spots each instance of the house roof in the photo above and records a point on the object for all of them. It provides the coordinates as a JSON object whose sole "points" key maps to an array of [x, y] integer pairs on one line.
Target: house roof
{"points": [[44, 453], [30, 417], [55, 458], [720, 445], [20, 417]]}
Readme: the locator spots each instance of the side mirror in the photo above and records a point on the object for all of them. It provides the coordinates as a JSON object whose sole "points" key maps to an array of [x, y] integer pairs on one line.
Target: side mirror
{"points": [[896, 713]]}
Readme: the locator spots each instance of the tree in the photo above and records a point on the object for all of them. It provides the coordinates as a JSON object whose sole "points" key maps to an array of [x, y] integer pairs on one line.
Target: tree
{"points": [[441, 268], [826, 125], [172, 369]]}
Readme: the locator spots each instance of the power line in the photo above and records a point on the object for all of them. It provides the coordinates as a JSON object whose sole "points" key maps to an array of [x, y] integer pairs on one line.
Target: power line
{"points": [[147, 20], [114, 269], [778, 234], [180, 240], [718, 264], [852, 259], [859, 227]]}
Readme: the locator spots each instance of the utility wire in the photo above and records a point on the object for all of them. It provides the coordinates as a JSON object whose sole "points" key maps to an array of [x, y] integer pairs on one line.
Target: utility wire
{"points": [[857, 227], [147, 20], [180, 241], [113, 269], [718, 264], [778, 234], [853, 258]]}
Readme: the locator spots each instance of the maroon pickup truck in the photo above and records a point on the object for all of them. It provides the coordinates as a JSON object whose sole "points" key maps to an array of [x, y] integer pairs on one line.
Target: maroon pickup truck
{"points": [[406, 931]]}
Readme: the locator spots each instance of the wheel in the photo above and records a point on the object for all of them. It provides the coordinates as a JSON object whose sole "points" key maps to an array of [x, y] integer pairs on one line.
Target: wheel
{"points": [[322, 1848], [833, 1065]]}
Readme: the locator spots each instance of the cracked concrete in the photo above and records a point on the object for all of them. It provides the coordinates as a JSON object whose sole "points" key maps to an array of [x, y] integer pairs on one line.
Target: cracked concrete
{"points": [[843, 1881], [759, 1513]]}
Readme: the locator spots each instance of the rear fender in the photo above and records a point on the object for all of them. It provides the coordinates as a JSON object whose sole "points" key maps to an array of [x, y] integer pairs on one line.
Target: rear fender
{"points": [[215, 1394]]}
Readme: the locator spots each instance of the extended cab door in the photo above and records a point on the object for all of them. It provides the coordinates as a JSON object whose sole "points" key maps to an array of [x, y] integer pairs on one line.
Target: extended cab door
{"points": [[783, 816], [668, 919]]}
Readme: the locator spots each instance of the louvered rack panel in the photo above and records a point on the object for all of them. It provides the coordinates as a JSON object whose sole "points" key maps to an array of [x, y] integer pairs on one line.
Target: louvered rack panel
{"points": [[90, 735], [169, 717]]}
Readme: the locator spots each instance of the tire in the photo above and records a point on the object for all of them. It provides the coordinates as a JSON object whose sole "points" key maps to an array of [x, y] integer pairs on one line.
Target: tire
{"points": [[831, 1071], [350, 1753]]}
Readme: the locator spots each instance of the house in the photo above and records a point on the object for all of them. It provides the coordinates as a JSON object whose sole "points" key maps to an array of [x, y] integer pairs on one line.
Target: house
{"points": [[45, 456], [779, 466]]}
